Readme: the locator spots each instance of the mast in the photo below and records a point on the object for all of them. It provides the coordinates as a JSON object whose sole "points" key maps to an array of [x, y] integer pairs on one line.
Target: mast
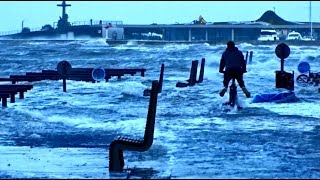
{"points": [[63, 5], [63, 21]]}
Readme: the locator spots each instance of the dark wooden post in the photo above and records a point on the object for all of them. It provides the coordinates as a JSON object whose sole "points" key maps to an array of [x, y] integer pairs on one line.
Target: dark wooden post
{"points": [[161, 77], [4, 102], [250, 57], [193, 76], [203, 60], [21, 95], [193, 73], [64, 81], [247, 57], [12, 98]]}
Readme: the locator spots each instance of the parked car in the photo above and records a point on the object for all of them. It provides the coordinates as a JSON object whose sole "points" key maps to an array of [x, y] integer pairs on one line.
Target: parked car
{"points": [[294, 36], [308, 38], [268, 35]]}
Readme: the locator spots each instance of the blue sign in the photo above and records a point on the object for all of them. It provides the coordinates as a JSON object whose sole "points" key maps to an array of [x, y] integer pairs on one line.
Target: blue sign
{"points": [[303, 67], [98, 74]]}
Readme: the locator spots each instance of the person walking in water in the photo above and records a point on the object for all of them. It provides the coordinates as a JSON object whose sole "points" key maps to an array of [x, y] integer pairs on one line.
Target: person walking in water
{"points": [[232, 60]]}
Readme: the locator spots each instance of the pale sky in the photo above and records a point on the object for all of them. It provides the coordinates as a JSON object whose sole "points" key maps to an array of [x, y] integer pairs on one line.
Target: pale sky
{"points": [[38, 13]]}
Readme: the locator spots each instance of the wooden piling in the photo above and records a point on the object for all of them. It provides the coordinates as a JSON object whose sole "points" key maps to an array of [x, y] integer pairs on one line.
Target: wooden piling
{"points": [[4, 97], [64, 84], [247, 57], [193, 73], [21, 95], [250, 57], [201, 74], [12, 98], [4, 102], [161, 78]]}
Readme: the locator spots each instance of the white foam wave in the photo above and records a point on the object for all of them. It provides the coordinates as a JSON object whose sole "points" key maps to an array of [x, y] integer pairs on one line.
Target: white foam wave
{"points": [[132, 43], [96, 42], [307, 109], [131, 47], [36, 43], [176, 47], [127, 87]]}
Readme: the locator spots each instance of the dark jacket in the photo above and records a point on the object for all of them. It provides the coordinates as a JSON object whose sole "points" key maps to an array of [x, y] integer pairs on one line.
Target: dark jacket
{"points": [[233, 60]]}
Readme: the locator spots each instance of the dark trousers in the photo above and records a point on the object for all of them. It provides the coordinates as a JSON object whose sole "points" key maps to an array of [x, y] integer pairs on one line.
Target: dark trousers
{"points": [[229, 75]]}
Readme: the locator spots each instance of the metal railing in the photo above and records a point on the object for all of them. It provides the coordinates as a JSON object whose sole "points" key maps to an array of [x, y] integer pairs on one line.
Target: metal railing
{"points": [[76, 23], [35, 29], [4, 33], [18, 31], [95, 22]]}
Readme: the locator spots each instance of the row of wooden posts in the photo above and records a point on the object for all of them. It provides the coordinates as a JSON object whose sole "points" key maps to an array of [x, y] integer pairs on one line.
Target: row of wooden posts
{"points": [[9, 91], [66, 72]]}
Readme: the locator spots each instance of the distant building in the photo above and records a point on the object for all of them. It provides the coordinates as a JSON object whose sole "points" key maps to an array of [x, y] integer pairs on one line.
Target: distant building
{"points": [[223, 31]]}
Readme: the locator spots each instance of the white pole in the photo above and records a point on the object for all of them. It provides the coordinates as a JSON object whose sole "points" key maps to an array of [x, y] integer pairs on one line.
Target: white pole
{"points": [[310, 18]]}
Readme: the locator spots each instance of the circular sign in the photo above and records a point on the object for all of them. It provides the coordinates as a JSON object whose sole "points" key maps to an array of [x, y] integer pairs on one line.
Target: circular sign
{"points": [[64, 68], [303, 67], [98, 74], [282, 51]]}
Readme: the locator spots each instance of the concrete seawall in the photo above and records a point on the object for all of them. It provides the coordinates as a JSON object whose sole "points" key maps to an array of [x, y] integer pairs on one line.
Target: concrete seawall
{"points": [[159, 42]]}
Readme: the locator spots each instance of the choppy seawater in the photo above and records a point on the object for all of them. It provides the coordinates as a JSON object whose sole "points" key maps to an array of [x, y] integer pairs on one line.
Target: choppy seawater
{"points": [[194, 138]]}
